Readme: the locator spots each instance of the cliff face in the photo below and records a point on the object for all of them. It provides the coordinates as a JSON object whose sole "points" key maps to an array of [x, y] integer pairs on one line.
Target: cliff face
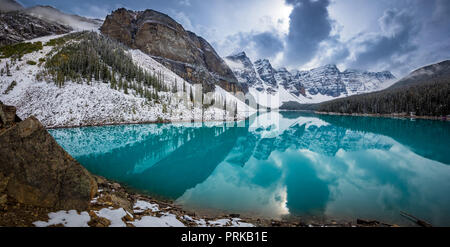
{"points": [[158, 35], [35, 170]]}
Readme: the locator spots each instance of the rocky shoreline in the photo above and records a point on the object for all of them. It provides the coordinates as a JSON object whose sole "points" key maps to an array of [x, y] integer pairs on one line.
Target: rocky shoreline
{"points": [[112, 199], [109, 189]]}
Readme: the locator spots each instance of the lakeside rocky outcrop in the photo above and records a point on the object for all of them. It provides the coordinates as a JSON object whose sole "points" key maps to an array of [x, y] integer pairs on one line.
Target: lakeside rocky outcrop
{"points": [[188, 55], [35, 170]]}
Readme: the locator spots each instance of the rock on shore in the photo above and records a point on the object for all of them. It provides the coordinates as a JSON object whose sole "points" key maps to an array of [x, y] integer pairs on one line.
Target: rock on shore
{"points": [[35, 170]]}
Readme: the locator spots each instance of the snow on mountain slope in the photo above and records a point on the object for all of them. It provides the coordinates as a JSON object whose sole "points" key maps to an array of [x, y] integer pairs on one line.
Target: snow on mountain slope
{"points": [[151, 65], [271, 87], [51, 14], [77, 104]]}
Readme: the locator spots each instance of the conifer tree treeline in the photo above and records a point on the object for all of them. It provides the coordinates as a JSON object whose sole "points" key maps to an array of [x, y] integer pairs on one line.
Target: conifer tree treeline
{"points": [[431, 98], [94, 57]]}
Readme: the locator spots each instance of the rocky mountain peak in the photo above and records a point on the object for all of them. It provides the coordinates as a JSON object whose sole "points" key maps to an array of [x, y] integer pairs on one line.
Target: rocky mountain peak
{"points": [[244, 70], [240, 60], [326, 80], [329, 68], [17, 26], [183, 52], [266, 72], [51, 14], [239, 54]]}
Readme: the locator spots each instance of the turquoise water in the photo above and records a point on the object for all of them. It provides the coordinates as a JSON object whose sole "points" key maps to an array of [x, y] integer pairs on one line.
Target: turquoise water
{"points": [[280, 164]]}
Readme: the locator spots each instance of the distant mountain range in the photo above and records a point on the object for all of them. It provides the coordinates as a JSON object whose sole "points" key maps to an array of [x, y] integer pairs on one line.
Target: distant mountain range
{"points": [[424, 92], [314, 86]]}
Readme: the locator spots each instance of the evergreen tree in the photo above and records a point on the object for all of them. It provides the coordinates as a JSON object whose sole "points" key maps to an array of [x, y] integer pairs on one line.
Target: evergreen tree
{"points": [[125, 87], [8, 71]]}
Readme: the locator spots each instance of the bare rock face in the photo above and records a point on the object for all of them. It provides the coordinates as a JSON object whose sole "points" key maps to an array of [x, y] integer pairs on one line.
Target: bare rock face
{"points": [[39, 172], [189, 56], [17, 27]]}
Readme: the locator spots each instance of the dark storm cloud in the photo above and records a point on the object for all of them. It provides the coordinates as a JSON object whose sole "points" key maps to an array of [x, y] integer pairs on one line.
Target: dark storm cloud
{"points": [[257, 45], [266, 44], [396, 39], [309, 25]]}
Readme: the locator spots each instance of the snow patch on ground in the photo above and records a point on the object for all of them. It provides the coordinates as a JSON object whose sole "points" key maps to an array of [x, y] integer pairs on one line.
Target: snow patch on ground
{"points": [[169, 220], [67, 218], [141, 206], [114, 215], [200, 222], [234, 222]]}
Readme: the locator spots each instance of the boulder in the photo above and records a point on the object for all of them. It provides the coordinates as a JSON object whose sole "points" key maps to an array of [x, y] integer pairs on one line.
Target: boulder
{"points": [[40, 172], [7, 116]]}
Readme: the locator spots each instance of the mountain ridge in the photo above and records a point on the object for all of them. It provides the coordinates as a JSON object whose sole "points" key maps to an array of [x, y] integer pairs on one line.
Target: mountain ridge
{"points": [[319, 84], [182, 51], [424, 92]]}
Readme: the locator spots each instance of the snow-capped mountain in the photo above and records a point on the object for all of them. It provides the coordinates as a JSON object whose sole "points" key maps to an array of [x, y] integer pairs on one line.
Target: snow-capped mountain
{"points": [[51, 14], [17, 27], [313, 86]]}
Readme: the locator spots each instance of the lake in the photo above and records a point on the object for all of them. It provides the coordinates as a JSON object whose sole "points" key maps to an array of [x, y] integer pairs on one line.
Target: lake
{"points": [[280, 164]]}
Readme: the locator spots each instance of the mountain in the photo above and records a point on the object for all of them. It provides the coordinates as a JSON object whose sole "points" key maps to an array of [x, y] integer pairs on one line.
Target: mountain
{"points": [[9, 5], [314, 86], [425, 92], [85, 78], [17, 27], [188, 55], [18, 24], [51, 14], [436, 71]]}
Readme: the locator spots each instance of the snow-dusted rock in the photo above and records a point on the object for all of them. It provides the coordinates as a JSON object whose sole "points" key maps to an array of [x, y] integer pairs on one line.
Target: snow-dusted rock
{"points": [[271, 87]]}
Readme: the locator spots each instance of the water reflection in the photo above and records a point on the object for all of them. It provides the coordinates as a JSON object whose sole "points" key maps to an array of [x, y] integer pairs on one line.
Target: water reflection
{"points": [[280, 163]]}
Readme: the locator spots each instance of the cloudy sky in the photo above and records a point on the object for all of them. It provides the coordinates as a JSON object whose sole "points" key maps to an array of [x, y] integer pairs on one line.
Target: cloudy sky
{"points": [[399, 35]]}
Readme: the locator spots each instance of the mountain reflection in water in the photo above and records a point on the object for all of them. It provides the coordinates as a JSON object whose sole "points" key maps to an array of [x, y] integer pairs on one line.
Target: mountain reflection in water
{"points": [[280, 163]]}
